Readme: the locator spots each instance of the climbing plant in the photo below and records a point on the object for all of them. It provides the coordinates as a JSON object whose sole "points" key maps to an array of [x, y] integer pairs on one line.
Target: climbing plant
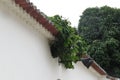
{"points": [[68, 45]]}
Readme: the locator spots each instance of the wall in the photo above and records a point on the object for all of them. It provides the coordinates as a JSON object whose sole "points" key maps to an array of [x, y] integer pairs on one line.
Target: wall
{"points": [[24, 53], [80, 72]]}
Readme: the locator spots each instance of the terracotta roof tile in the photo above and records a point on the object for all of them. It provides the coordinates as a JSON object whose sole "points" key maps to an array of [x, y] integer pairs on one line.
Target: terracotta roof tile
{"points": [[98, 68], [37, 15], [95, 66]]}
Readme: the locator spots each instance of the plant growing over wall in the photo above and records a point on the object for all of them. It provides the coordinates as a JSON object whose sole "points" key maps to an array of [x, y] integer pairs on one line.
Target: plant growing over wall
{"points": [[68, 46]]}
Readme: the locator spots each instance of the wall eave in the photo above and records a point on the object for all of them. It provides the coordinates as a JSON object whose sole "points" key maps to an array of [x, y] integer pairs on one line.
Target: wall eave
{"points": [[31, 16]]}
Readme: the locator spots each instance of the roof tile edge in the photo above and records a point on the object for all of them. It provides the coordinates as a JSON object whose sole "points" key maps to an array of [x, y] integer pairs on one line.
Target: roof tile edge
{"points": [[27, 6]]}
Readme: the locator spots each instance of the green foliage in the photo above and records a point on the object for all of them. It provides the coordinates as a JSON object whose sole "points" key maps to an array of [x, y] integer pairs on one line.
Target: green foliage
{"points": [[68, 46], [100, 27]]}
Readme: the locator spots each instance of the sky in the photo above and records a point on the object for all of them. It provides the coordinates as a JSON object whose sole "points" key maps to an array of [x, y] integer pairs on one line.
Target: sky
{"points": [[71, 9]]}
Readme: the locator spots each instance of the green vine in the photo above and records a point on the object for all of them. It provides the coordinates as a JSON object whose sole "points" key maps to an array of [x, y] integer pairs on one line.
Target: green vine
{"points": [[68, 46]]}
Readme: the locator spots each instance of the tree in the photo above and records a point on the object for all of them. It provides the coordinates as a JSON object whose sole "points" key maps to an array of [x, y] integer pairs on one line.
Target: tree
{"points": [[100, 27], [68, 46]]}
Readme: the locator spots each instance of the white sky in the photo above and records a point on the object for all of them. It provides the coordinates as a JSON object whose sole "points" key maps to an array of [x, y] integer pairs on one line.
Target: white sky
{"points": [[71, 9]]}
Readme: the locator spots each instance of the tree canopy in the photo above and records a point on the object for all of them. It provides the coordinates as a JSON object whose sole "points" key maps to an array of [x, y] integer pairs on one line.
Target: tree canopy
{"points": [[100, 27]]}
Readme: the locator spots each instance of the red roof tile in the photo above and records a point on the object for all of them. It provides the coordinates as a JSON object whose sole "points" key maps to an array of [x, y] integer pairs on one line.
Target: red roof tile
{"points": [[95, 66], [98, 68], [37, 15]]}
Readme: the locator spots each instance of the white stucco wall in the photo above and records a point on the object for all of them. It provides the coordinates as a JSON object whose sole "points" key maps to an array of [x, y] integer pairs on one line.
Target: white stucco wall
{"points": [[24, 53], [80, 72]]}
